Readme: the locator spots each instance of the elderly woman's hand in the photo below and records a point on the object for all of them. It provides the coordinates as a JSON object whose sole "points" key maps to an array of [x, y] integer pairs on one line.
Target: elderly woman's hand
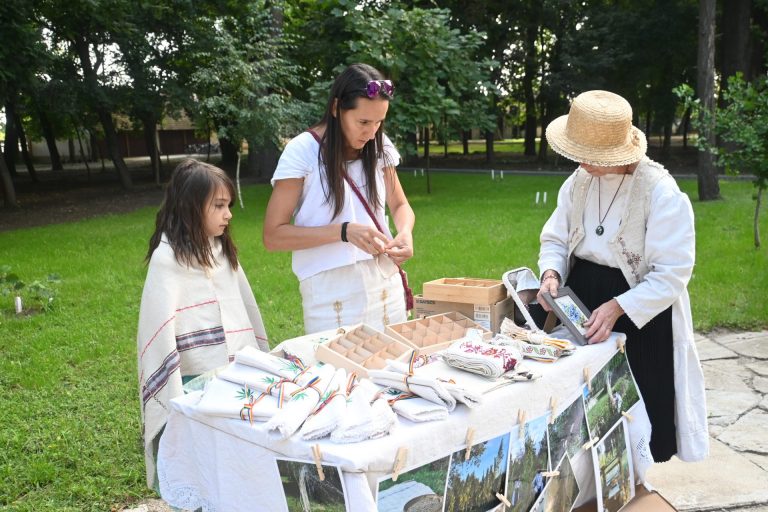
{"points": [[601, 322], [550, 282]]}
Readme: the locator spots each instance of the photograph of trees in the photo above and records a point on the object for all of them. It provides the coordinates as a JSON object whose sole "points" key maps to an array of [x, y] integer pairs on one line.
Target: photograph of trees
{"points": [[615, 478], [613, 390], [421, 488], [304, 491], [473, 483], [528, 458], [568, 432]]}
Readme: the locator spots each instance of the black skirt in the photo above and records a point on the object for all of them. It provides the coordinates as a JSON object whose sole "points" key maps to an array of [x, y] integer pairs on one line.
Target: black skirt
{"points": [[649, 350]]}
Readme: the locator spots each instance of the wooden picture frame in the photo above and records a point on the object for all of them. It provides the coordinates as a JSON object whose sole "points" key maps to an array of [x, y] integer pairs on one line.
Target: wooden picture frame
{"points": [[571, 312]]}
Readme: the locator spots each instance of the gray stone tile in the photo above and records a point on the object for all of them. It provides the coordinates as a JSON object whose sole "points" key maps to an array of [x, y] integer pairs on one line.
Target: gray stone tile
{"points": [[748, 433], [759, 367], [730, 403], [760, 460], [764, 403], [715, 429], [726, 375], [760, 384], [709, 350], [757, 347], [737, 337], [726, 480]]}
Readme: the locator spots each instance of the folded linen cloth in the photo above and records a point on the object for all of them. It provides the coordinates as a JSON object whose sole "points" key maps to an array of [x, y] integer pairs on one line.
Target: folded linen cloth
{"points": [[427, 388], [544, 353], [229, 400], [415, 408], [482, 358], [461, 394], [365, 417], [285, 368], [302, 402], [457, 391], [330, 410], [259, 380]]}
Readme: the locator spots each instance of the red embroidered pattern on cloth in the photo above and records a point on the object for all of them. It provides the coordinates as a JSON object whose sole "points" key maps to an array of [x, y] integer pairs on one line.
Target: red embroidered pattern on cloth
{"points": [[509, 362]]}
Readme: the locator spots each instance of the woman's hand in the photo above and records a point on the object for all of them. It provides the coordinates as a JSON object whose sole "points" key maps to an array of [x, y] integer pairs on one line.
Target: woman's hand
{"points": [[601, 322], [550, 282], [400, 248], [366, 238]]}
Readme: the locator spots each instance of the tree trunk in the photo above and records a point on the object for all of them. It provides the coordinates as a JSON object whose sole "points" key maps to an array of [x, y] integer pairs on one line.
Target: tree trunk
{"points": [[708, 185], [9, 192], [412, 141], [266, 158], [490, 157], [104, 113], [149, 122], [666, 145], [465, 142], [531, 33], [50, 141], [228, 153], [736, 40], [11, 145], [757, 217], [25, 150]]}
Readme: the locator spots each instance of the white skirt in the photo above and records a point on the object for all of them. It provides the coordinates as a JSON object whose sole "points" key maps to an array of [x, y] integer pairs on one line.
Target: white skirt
{"points": [[369, 291]]}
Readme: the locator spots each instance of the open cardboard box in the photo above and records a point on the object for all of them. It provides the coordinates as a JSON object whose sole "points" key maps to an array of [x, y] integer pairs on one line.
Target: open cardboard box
{"points": [[644, 501]]}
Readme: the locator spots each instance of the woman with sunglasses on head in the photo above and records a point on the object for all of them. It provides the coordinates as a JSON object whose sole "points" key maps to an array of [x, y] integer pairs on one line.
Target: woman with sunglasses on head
{"points": [[334, 182]]}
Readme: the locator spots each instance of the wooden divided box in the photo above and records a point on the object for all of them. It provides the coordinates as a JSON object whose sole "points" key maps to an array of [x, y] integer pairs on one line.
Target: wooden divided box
{"points": [[465, 290], [360, 349], [433, 333]]}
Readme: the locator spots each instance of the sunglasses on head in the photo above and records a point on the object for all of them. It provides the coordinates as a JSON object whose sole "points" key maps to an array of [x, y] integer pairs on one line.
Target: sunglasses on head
{"points": [[377, 87]]}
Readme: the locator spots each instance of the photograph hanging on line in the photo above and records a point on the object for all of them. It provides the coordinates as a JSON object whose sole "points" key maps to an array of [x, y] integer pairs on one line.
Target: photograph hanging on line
{"points": [[528, 460], [613, 391], [562, 489], [613, 470], [419, 488], [571, 312], [304, 490], [568, 432], [474, 483]]}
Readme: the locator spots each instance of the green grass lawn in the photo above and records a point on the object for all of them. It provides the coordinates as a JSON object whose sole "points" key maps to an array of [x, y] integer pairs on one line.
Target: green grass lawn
{"points": [[70, 434]]}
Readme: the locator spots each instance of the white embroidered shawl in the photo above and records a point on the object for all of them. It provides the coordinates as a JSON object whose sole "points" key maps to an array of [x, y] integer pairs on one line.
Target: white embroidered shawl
{"points": [[191, 320]]}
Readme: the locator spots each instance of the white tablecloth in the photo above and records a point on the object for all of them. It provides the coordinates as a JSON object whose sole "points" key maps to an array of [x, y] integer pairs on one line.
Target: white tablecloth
{"points": [[229, 465]]}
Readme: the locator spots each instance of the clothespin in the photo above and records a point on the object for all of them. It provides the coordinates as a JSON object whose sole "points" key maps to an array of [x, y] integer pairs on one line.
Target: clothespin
{"points": [[553, 406], [503, 499], [402, 453], [550, 474], [587, 379], [620, 344], [627, 415], [590, 443], [318, 461], [470, 437], [521, 415]]}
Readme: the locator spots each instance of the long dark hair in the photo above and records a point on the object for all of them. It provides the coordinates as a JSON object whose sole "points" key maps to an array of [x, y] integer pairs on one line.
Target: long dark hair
{"points": [[182, 214], [350, 85]]}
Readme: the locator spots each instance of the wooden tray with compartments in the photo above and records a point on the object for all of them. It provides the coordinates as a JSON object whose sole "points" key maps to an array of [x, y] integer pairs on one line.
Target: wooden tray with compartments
{"points": [[433, 333], [465, 290], [362, 348]]}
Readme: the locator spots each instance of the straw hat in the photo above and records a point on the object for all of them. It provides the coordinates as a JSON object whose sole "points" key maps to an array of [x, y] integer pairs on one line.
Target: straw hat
{"points": [[598, 131]]}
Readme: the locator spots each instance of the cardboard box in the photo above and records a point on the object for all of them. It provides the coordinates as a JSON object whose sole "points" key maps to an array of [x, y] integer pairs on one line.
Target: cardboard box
{"points": [[465, 290], [489, 316], [644, 501]]}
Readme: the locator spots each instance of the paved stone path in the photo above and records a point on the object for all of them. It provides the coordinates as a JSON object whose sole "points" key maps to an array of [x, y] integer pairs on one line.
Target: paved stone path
{"points": [[735, 476]]}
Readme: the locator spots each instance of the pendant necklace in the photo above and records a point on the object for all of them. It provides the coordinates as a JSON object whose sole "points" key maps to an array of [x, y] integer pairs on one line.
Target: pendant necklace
{"points": [[600, 230]]}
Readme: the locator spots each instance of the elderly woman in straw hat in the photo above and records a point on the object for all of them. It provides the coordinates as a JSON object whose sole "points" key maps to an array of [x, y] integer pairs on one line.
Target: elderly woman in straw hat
{"points": [[622, 237]]}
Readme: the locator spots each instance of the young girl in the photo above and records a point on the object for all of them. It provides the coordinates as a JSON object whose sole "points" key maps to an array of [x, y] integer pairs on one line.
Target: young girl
{"points": [[197, 308], [335, 181]]}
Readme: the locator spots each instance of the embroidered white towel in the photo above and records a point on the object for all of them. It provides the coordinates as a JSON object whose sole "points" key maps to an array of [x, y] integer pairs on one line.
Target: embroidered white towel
{"points": [[418, 409], [330, 410], [302, 402], [427, 388], [363, 419], [255, 379], [270, 363], [230, 400], [481, 358]]}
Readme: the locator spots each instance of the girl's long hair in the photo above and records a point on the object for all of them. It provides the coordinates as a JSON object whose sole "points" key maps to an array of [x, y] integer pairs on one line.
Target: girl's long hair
{"points": [[350, 85], [188, 196]]}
